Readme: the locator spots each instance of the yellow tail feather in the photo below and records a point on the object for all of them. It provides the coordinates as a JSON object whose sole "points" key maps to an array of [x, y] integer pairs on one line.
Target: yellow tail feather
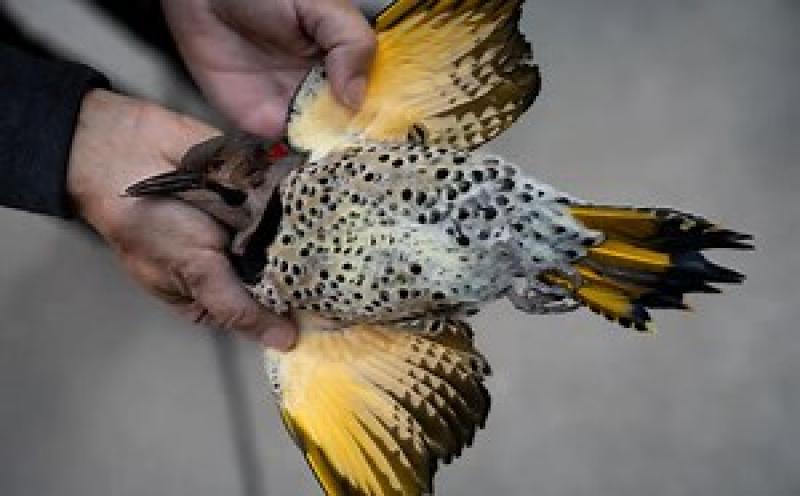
{"points": [[650, 259], [375, 408]]}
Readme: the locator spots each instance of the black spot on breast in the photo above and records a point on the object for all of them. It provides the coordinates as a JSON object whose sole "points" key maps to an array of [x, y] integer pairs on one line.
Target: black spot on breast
{"points": [[506, 184]]}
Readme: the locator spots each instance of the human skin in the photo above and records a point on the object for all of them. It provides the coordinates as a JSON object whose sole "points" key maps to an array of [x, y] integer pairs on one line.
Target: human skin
{"points": [[174, 251], [248, 56]]}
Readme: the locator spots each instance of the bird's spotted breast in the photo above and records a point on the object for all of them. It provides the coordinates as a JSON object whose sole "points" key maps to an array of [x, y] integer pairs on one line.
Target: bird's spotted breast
{"points": [[386, 232]]}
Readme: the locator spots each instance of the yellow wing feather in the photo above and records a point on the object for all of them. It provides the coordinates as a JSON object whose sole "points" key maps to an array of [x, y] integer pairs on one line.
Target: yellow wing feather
{"points": [[375, 408], [445, 72]]}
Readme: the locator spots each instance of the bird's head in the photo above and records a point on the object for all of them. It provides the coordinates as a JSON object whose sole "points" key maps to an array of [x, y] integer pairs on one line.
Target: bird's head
{"points": [[234, 178]]}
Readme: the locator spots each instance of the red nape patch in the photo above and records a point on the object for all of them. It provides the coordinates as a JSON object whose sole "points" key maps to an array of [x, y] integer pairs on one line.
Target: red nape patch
{"points": [[277, 151]]}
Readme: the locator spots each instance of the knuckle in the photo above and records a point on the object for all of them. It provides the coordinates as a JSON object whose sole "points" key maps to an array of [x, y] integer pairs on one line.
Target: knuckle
{"points": [[362, 41], [195, 277], [369, 41], [195, 313], [239, 319], [197, 270]]}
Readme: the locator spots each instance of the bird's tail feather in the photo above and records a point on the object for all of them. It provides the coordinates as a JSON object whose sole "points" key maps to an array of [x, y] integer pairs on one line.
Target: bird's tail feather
{"points": [[651, 258], [375, 408]]}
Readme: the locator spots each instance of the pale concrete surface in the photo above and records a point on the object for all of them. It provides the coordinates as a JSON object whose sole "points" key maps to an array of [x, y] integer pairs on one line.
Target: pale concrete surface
{"points": [[685, 103]]}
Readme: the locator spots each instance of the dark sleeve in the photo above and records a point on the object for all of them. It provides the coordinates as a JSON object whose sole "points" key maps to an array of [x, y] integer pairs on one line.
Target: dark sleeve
{"points": [[39, 104]]}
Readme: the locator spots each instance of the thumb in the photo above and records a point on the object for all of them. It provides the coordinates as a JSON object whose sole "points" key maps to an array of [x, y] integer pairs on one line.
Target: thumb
{"points": [[214, 285], [348, 42]]}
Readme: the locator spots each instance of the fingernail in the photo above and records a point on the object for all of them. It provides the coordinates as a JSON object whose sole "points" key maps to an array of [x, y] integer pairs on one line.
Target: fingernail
{"points": [[354, 94], [281, 337]]}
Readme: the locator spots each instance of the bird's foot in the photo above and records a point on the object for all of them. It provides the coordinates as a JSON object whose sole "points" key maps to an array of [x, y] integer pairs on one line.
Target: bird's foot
{"points": [[539, 297], [427, 324]]}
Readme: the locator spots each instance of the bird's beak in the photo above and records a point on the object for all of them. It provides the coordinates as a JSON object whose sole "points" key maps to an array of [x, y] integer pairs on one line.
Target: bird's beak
{"points": [[166, 184]]}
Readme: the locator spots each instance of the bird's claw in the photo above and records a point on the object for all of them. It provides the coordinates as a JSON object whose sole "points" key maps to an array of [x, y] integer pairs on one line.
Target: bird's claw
{"points": [[539, 297]]}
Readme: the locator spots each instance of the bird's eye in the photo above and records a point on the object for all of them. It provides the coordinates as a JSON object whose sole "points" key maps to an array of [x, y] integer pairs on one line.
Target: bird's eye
{"points": [[231, 197]]}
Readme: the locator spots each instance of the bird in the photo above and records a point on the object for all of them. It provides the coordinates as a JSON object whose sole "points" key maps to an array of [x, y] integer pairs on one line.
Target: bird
{"points": [[381, 230]]}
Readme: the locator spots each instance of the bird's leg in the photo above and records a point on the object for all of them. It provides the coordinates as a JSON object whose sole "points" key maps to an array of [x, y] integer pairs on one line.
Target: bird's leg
{"points": [[436, 321], [539, 297], [431, 323]]}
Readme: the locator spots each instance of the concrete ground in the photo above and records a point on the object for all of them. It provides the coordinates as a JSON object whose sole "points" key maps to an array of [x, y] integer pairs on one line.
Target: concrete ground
{"points": [[686, 103]]}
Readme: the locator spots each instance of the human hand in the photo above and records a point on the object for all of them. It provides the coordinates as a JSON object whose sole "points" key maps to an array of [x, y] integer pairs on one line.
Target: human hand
{"points": [[248, 56], [175, 251]]}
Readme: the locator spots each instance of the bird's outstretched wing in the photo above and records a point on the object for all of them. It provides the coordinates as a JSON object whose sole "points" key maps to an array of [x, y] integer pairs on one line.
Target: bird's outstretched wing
{"points": [[375, 408], [451, 72]]}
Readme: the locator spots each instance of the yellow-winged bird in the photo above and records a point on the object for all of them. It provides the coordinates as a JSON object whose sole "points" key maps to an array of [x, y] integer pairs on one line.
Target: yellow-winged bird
{"points": [[380, 230]]}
